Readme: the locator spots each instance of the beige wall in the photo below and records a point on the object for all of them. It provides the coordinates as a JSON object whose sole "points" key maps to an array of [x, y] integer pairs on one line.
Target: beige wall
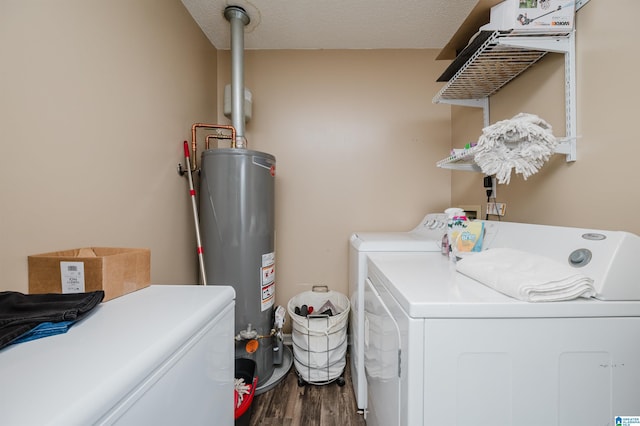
{"points": [[356, 137], [96, 98], [599, 190]]}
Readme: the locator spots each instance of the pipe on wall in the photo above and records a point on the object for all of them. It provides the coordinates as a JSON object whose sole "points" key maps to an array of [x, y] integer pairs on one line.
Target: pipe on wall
{"points": [[238, 19]]}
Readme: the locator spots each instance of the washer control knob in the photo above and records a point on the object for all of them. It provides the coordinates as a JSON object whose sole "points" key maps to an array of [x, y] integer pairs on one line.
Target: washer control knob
{"points": [[580, 257]]}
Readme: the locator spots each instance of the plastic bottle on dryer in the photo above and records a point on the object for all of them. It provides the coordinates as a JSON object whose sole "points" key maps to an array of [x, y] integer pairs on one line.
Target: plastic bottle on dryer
{"points": [[444, 245], [457, 223]]}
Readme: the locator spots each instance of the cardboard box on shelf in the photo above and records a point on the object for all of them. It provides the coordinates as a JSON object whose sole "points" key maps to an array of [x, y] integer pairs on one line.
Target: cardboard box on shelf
{"points": [[117, 271], [532, 15]]}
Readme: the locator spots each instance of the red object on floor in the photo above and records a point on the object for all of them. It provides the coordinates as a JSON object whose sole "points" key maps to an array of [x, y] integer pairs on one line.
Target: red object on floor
{"points": [[246, 401]]}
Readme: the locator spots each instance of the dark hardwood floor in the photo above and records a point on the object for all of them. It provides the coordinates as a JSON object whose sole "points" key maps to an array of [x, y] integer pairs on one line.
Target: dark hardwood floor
{"points": [[288, 404]]}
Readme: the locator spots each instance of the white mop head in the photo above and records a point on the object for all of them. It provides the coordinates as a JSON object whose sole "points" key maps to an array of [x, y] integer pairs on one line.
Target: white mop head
{"points": [[241, 389], [523, 143]]}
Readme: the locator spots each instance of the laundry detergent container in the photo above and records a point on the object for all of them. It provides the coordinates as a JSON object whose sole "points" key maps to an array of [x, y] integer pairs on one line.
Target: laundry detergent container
{"points": [[319, 337]]}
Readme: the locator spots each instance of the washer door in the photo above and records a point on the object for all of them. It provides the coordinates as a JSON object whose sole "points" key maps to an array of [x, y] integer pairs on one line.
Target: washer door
{"points": [[381, 360]]}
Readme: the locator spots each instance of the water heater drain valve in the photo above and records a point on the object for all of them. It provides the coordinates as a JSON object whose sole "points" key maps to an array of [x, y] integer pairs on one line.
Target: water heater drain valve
{"points": [[247, 334], [251, 334]]}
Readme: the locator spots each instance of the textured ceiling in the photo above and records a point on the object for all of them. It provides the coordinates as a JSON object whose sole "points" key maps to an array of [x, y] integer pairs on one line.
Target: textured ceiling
{"points": [[335, 24]]}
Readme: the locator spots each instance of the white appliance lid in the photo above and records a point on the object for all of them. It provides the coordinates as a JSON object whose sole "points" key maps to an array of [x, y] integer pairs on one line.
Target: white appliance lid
{"points": [[393, 241], [83, 372], [426, 285], [426, 236]]}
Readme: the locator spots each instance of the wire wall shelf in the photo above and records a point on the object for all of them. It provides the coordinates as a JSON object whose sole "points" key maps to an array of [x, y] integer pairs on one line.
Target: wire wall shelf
{"points": [[460, 160], [500, 59], [490, 61]]}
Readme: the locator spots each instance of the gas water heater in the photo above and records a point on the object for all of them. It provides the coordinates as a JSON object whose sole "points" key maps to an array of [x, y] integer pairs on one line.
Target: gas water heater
{"points": [[237, 218], [237, 221]]}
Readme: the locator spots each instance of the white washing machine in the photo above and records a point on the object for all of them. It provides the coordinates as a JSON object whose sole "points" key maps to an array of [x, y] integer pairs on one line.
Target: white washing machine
{"points": [[441, 348], [163, 355], [425, 237]]}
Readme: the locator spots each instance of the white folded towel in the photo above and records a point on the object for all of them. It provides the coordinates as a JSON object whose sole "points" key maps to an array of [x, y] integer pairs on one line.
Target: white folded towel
{"points": [[526, 276]]}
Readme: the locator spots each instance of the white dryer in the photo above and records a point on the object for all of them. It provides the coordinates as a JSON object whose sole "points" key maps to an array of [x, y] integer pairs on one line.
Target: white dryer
{"points": [[441, 348], [162, 355], [425, 237]]}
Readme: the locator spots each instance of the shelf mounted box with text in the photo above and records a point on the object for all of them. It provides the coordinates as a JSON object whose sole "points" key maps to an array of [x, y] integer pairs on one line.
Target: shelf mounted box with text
{"points": [[532, 15]]}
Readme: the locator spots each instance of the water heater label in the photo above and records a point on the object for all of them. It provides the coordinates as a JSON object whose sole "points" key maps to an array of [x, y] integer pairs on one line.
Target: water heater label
{"points": [[268, 280]]}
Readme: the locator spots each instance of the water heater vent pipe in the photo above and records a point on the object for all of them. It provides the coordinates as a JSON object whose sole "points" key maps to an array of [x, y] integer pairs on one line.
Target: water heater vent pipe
{"points": [[238, 18]]}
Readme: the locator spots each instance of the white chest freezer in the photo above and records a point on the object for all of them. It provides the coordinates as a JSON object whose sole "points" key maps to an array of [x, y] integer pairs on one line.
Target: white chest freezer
{"points": [[162, 355]]}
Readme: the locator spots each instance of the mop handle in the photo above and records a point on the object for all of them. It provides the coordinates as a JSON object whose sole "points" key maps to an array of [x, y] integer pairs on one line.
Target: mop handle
{"points": [[192, 192]]}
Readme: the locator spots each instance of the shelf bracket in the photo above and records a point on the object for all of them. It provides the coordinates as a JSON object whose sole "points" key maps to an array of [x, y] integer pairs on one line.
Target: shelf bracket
{"points": [[565, 44], [557, 44], [570, 97], [475, 103]]}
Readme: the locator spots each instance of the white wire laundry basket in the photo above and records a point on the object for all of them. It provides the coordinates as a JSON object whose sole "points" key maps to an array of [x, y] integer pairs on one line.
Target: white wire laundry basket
{"points": [[320, 339]]}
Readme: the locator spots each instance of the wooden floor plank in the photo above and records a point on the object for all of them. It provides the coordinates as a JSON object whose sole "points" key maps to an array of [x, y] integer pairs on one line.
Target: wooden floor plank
{"points": [[288, 404]]}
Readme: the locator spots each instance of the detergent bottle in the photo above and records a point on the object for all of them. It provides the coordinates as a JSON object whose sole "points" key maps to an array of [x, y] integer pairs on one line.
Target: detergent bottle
{"points": [[456, 224]]}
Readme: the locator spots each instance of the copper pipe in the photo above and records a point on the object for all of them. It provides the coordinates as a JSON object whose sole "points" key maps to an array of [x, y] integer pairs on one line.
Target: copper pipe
{"points": [[194, 146], [217, 136]]}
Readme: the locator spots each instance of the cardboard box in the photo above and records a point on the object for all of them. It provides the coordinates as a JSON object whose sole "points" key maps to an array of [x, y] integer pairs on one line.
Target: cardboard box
{"points": [[117, 271], [550, 16]]}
